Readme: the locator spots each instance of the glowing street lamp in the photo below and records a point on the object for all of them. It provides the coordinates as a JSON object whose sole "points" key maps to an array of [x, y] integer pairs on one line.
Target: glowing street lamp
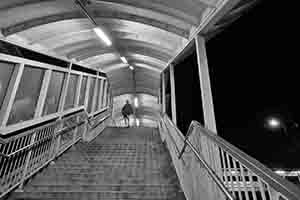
{"points": [[274, 123]]}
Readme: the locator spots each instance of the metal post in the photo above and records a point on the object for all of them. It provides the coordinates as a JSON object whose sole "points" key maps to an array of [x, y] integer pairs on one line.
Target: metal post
{"points": [[208, 107], [163, 93], [207, 100], [173, 95]]}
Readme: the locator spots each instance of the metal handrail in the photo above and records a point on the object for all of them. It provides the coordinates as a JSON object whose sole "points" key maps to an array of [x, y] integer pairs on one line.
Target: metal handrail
{"points": [[275, 181], [48, 137], [189, 132], [210, 171]]}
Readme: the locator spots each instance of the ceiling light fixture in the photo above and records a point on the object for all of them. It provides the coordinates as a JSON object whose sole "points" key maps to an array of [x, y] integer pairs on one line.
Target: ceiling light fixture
{"points": [[136, 102], [102, 36], [124, 60], [130, 67]]}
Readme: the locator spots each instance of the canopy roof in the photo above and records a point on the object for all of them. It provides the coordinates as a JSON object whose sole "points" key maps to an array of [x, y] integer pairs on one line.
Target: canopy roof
{"points": [[149, 33]]}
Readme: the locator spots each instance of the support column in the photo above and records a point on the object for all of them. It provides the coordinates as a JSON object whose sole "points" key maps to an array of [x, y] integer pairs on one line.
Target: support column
{"points": [[163, 95], [208, 111], [173, 96], [207, 99]]}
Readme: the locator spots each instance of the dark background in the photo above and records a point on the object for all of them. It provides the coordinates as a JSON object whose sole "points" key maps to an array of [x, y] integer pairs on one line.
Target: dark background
{"points": [[254, 75], [188, 92]]}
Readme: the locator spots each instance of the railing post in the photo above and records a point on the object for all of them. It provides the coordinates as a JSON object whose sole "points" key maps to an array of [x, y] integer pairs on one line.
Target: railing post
{"points": [[61, 108], [163, 92], [173, 95], [20, 189], [77, 96]]}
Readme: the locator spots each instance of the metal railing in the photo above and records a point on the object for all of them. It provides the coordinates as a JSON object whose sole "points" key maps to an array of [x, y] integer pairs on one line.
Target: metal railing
{"points": [[243, 176], [25, 153]]}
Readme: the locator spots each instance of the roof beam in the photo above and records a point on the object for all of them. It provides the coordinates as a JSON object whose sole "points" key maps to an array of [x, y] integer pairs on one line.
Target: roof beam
{"points": [[118, 66], [134, 50], [122, 91], [15, 28], [208, 22], [83, 53], [130, 57]]}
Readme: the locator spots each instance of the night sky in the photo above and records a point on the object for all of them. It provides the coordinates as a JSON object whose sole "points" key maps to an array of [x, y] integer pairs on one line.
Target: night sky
{"points": [[254, 73]]}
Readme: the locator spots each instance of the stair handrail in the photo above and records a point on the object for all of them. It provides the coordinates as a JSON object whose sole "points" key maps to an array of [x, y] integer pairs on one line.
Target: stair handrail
{"points": [[44, 139], [287, 189], [210, 171]]}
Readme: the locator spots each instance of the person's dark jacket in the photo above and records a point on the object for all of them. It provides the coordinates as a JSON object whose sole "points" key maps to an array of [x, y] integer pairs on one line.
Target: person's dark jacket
{"points": [[127, 110]]}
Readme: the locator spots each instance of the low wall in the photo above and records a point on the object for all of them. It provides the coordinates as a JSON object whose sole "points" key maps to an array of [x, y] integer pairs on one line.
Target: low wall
{"points": [[194, 179]]}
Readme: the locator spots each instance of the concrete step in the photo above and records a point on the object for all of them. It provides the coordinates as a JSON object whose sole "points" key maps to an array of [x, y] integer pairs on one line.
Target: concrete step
{"points": [[111, 195], [107, 178], [120, 164], [103, 188]]}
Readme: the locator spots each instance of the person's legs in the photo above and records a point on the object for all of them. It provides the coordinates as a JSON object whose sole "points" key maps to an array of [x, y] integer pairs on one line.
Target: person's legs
{"points": [[126, 120]]}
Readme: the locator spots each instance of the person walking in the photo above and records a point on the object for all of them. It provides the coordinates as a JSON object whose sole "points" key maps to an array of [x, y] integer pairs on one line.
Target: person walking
{"points": [[127, 110]]}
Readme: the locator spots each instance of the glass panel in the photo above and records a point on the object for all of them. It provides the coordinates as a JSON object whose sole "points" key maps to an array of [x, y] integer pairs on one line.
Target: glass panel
{"points": [[91, 94], [54, 92], [6, 71], [70, 98], [27, 95], [82, 91]]}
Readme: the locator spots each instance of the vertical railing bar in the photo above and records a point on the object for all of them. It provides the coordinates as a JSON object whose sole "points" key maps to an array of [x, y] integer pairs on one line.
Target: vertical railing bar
{"points": [[224, 167], [48, 157], [269, 192], [237, 177], [230, 175], [14, 168], [39, 148], [5, 148], [7, 163], [45, 151], [261, 187], [2, 166], [40, 153], [12, 149], [8, 148], [244, 181], [6, 171], [12, 171], [19, 145], [18, 157]]}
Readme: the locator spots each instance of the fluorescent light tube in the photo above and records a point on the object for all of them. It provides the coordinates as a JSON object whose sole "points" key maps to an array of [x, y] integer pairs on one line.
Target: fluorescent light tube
{"points": [[130, 67], [136, 102], [102, 36], [124, 60]]}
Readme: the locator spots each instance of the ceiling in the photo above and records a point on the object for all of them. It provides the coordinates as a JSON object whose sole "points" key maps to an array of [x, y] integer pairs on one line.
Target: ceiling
{"points": [[148, 33]]}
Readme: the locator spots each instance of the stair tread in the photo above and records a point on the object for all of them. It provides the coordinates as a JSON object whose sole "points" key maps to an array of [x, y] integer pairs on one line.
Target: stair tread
{"points": [[120, 164]]}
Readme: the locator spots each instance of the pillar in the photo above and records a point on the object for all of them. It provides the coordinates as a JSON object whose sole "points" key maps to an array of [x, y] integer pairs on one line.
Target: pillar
{"points": [[163, 95], [173, 95], [207, 99], [208, 111]]}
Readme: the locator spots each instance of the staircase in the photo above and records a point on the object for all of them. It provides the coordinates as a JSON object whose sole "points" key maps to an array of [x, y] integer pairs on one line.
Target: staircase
{"points": [[121, 163]]}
